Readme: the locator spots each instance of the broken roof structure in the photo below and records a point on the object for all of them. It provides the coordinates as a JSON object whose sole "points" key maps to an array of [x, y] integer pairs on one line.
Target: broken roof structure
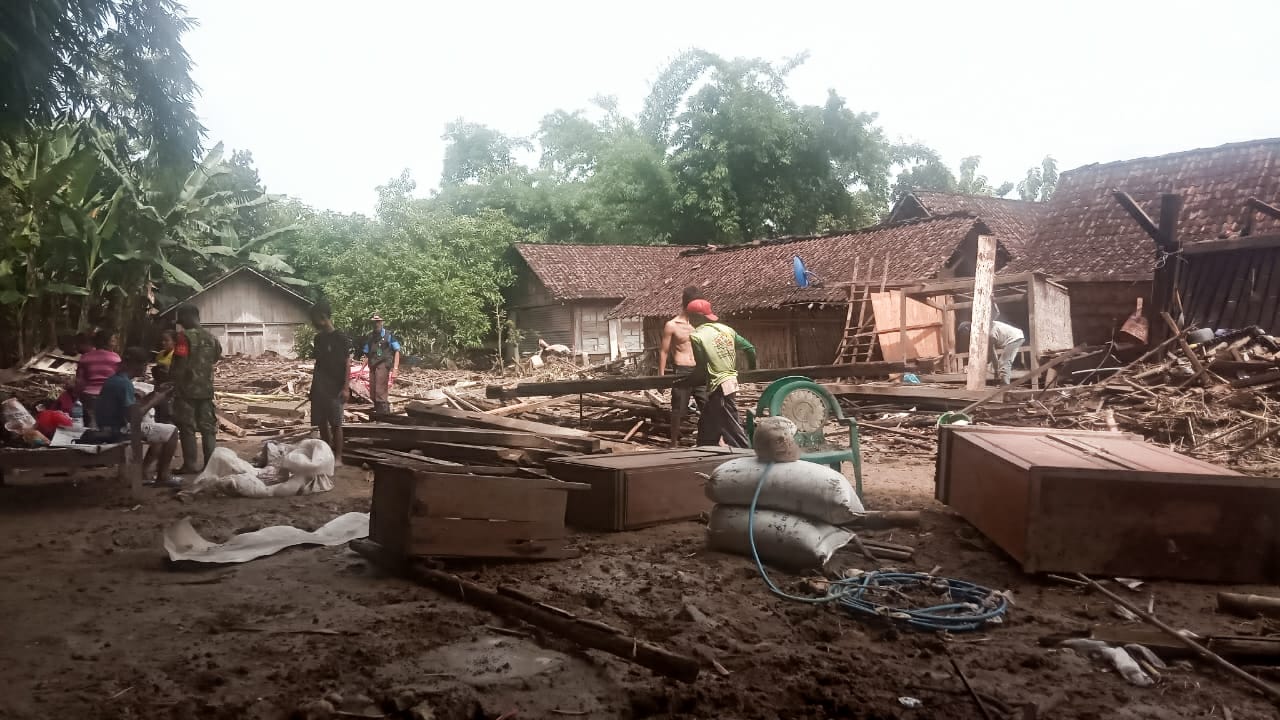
{"points": [[1011, 221], [1086, 234]]}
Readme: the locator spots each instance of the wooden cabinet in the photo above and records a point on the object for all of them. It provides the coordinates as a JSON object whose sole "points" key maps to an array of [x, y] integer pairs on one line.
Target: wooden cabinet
{"points": [[1110, 504]]}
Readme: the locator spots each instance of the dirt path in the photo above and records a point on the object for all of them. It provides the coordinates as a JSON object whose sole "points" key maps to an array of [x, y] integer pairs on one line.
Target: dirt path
{"points": [[93, 625]]}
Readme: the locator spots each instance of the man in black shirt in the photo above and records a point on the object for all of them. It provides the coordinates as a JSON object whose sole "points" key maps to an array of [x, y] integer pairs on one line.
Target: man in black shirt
{"points": [[329, 382]]}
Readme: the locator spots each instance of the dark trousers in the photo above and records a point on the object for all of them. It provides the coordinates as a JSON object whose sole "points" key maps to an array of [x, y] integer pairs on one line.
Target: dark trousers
{"points": [[720, 420], [379, 379]]}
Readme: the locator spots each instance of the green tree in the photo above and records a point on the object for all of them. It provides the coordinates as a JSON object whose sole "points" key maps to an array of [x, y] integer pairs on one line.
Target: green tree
{"points": [[120, 62], [972, 182], [1040, 181]]}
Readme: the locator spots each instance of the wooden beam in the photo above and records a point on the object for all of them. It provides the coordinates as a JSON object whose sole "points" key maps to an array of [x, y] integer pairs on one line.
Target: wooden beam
{"points": [[635, 650], [466, 436], [980, 330], [1138, 214], [1254, 205], [518, 408], [661, 382], [1256, 242]]}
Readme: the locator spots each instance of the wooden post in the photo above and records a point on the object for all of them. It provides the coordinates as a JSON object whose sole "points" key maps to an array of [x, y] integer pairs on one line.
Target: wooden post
{"points": [[1033, 287], [1164, 285], [980, 332], [902, 322]]}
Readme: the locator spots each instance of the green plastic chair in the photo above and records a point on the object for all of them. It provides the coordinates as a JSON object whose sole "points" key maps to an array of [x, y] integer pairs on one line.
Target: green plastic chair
{"points": [[810, 407]]}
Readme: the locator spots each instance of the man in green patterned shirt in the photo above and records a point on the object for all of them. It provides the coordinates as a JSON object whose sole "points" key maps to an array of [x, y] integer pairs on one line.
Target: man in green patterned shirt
{"points": [[194, 355], [715, 352]]}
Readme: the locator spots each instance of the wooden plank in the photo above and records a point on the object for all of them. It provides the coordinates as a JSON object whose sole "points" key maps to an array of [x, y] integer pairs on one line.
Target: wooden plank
{"points": [[1211, 247], [656, 382], [479, 497], [467, 418], [479, 454], [906, 324], [283, 412], [518, 408], [1239, 277], [980, 331], [449, 537], [1269, 314], [466, 436]]}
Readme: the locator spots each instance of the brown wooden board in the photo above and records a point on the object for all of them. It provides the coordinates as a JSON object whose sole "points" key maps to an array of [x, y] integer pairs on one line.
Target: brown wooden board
{"points": [[1110, 504], [457, 515], [469, 418], [639, 489], [466, 436]]}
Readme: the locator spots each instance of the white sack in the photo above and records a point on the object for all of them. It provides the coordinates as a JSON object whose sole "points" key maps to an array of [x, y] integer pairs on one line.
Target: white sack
{"points": [[803, 488], [182, 542], [787, 541], [306, 469]]}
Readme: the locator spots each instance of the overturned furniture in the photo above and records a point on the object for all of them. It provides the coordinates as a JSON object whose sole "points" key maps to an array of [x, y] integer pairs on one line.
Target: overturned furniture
{"points": [[1107, 503], [456, 514], [635, 490]]}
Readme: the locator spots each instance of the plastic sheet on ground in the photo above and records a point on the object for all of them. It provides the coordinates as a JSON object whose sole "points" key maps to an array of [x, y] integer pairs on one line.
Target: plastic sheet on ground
{"points": [[182, 542], [301, 470]]}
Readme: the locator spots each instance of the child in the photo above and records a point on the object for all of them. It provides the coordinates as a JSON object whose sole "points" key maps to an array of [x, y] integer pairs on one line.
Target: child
{"points": [[114, 406], [329, 380]]}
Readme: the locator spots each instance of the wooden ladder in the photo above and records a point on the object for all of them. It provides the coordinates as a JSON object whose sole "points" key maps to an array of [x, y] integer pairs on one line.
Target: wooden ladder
{"points": [[858, 343]]}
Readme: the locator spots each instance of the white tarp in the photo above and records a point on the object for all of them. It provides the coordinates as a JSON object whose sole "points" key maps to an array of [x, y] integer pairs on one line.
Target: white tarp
{"points": [[182, 542], [305, 469]]}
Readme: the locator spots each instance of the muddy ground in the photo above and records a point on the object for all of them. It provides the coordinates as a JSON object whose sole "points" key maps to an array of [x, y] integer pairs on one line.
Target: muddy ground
{"points": [[94, 625]]}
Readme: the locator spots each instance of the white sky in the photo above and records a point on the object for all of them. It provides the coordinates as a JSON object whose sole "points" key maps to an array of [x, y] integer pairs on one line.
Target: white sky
{"points": [[335, 97]]}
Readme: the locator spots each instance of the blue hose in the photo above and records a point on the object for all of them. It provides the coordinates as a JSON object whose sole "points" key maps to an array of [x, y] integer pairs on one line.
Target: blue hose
{"points": [[969, 606]]}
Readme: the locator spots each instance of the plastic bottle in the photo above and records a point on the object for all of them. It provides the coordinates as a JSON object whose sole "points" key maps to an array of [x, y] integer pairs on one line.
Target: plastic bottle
{"points": [[77, 417]]}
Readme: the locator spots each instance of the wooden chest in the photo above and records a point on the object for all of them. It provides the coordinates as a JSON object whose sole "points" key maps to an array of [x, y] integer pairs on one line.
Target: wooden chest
{"points": [[1110, 504], [459, 515], [634, 490]]}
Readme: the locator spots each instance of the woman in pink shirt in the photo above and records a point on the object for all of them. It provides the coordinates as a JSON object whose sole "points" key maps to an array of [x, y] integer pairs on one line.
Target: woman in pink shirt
{"points": [[93, 369]]}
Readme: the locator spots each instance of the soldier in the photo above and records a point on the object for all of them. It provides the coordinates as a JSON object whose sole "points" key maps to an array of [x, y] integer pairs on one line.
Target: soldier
{"points": [[382, 358], [194, 355]]}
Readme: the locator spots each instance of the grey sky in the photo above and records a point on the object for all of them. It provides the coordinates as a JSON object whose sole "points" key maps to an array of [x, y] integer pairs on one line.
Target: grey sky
{"points": [[335, 97]]}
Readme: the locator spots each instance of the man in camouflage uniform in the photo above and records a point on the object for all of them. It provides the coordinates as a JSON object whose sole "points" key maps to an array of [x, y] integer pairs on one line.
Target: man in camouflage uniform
{"points": [[194, 355]]}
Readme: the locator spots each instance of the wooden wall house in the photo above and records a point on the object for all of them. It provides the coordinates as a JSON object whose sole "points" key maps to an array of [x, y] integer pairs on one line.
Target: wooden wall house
{"points": [[564, 294], [752, 287], [249, 313]]}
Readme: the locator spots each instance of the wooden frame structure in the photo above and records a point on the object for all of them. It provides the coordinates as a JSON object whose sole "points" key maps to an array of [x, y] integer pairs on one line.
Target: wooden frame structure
{"points": [[1048, 307], [1232, 283]]}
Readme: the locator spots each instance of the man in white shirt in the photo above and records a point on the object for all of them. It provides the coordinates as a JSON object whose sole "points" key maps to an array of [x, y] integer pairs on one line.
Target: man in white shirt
{"points": [[1006, 340]]}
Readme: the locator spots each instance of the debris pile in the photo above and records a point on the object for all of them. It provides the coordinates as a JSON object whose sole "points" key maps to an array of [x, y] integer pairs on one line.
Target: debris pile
{"points": [[1217, 400]]}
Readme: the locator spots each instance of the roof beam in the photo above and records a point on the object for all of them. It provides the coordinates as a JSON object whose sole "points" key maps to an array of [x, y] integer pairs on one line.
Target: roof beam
{"points": [[1138, 214], [1254, 205]]}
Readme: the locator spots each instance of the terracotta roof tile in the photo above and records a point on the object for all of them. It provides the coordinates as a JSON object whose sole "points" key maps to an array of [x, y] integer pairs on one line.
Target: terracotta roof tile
{"points": [[1011, 221], [1085, 232], [596, 272], [759, 275]]}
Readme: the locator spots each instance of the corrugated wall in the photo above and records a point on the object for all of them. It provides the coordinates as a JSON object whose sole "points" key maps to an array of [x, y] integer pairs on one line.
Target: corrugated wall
{"points": [[553, 323], [1233, 290]]}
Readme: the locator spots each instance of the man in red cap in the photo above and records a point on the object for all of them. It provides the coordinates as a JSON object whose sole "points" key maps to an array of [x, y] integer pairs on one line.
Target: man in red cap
{"points": [[715, 350]]}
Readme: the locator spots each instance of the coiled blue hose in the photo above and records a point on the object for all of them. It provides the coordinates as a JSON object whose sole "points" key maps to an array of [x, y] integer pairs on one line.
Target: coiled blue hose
{"points": [[969, 606]]}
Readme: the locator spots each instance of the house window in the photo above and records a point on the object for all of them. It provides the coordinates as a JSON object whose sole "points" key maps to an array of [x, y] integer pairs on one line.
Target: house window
{"points": [[595, 330]]}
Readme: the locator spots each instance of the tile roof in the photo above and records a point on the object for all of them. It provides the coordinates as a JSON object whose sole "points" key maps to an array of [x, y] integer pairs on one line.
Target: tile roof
{"points": [[1011, 221], [1085, 232], [596, 272], [759, 275]]}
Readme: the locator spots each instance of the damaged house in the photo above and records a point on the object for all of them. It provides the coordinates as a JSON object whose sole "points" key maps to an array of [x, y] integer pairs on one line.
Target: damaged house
{"points": [[1082, 239]]}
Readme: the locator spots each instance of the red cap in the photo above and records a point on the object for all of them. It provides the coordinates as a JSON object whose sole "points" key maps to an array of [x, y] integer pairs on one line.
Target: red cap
{"points": [[703, 308]]}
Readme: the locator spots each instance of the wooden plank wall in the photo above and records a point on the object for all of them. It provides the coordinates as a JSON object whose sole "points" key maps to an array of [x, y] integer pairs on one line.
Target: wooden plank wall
{"points": [[1098, 309], [1233, 289], [1053, 317], [923, 341]]}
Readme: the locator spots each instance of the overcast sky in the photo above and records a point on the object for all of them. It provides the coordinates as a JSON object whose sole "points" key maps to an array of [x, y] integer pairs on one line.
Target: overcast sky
{"points": [[335, 97]]}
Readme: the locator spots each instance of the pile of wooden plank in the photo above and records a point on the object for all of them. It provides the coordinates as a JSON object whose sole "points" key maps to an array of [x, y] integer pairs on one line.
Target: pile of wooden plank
{"points": [[1218, 400]]}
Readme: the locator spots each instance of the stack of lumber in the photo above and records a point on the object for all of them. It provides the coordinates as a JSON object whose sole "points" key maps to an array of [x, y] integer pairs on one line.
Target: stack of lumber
{"points": [[1218, 401], [432, 436]]}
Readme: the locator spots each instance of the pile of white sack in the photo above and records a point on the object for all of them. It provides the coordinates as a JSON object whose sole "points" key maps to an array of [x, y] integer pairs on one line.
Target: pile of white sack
{"points": [[300, 469], [799, 509]]}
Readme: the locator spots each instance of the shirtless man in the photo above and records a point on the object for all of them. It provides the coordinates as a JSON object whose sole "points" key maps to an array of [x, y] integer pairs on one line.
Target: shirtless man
{"points": [[677, 349]]}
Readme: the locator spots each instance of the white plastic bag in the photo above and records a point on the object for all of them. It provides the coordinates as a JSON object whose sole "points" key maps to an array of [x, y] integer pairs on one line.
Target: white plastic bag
{"points": [[803, 488], [305, 469], [787, 541]]}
